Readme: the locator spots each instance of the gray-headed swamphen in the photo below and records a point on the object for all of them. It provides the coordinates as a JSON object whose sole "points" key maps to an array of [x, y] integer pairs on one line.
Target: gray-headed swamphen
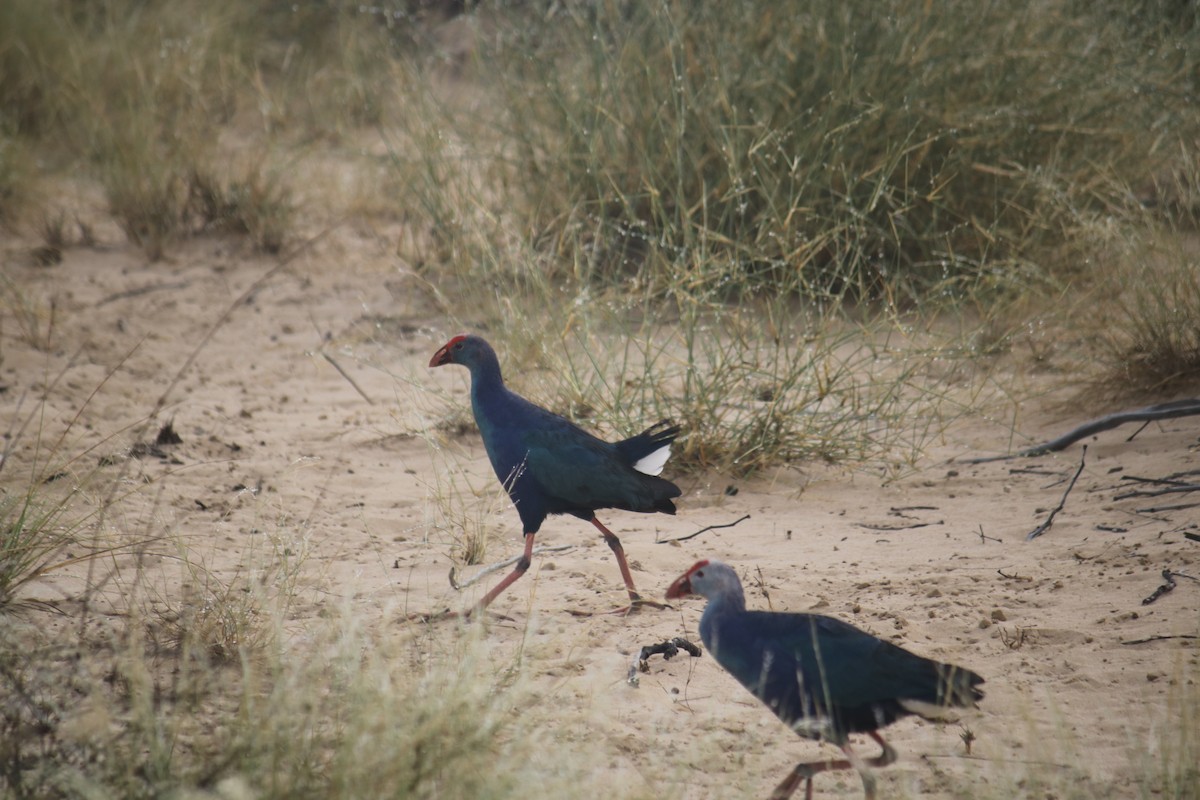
{"points": [[825, 679], [549, 465]]}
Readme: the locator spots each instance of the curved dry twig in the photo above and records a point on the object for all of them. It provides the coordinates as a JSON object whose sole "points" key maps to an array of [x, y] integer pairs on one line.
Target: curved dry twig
{"points": [[1045, 526], [740, 519], [1172, 410]]}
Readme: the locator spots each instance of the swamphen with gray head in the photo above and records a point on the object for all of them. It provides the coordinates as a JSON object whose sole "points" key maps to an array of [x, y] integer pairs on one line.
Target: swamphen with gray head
{"points": [[825, 679], [549, 465]]}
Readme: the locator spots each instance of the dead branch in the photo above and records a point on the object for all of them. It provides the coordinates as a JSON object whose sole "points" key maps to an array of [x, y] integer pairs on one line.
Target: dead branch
{"points": [[1172, 410], [1160, 509], [1141, 428], [1168, 586], [1015, 639], [931, 756], [984, 537], [346, 375], [141, 290], [1161, 638], [888, 528], [704, 530], [668, 650], [1169, 578], [1172, 489], [1170, 480], [1045, 526], [508, 562], [1006, 576]]}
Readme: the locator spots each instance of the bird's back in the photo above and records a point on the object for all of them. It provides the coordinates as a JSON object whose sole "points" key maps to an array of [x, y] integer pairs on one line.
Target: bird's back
{"points": [[549, 465]]}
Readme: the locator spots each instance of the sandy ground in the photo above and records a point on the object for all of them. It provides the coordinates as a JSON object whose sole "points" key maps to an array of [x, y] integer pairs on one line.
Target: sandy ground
{"points": [[279, 449]]}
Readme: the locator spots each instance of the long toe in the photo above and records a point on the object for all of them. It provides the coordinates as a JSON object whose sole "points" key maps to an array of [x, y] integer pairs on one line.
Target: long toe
{"points": [[640, 603], [637, 604], [446, 614], [432, 616]]}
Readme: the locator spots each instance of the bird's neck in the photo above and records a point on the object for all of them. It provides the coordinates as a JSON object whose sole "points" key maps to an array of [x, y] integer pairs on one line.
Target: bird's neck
{"points": [[716, 621], [730, 601], [489, 397], [485, 376]]}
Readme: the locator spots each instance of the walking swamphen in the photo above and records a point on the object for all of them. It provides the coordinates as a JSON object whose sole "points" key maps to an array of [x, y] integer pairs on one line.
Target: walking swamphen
{"points": [[549, 465], [825, 678]]}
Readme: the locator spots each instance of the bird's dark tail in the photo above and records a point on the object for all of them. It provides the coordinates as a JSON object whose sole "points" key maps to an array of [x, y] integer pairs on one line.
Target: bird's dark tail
{"points": [[956, 688], [652, 445], [657, 436], [962, 686], [663, 492]]}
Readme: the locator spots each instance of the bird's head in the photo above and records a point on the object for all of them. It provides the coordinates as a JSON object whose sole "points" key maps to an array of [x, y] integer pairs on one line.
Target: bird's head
{"points": [[463, 349], [706, 578]]}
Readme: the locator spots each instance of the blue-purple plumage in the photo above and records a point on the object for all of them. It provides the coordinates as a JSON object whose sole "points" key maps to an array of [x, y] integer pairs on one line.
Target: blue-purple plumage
{"points": [[824, 678], [812, 667], [549, 465]]}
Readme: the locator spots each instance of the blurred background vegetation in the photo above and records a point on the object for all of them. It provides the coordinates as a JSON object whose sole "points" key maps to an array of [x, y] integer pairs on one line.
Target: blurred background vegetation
{"points": [[899, 150], [783, 223], [755, 175]]}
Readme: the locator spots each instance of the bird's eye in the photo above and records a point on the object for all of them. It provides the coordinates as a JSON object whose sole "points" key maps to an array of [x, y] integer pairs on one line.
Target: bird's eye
{"points": [[700, 574], [458, 346]]}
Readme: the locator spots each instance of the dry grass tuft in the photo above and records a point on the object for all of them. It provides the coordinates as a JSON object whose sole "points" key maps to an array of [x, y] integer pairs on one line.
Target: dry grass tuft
{"points": [[1153, 343]]}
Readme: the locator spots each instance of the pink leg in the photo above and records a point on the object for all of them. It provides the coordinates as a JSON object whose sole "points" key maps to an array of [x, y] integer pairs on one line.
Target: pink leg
{"points": [[520, 569], [806, 771], [615, 545]]}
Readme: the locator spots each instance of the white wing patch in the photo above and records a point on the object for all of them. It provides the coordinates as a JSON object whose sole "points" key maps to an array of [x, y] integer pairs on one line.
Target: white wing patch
{"points": [[930, 711], [653, 464]]}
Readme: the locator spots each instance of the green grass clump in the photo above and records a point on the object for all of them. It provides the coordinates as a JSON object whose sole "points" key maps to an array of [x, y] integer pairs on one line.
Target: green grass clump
{"points": [[157, 201], [747, 397], [142, 96], [753, 384], [831, 148], [1152, 341], [34, 538]]}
